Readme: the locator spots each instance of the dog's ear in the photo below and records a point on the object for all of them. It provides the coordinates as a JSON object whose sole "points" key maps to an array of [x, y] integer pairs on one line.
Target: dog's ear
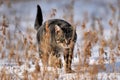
{"points": [[39, 18]]}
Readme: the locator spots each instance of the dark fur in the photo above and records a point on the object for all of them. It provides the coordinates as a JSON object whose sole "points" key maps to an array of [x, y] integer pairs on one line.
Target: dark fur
{"points": [[67, 29]]}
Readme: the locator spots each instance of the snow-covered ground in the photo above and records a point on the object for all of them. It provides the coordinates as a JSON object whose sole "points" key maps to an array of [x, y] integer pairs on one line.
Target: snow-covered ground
{"points": [[20, 16]]}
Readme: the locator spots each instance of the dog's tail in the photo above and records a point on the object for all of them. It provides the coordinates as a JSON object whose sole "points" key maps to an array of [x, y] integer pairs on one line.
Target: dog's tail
{"points": [[39, 18]]}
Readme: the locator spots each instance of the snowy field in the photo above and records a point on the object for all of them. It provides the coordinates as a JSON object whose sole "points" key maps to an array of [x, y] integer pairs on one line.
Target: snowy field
{"points": [[97, 50]]}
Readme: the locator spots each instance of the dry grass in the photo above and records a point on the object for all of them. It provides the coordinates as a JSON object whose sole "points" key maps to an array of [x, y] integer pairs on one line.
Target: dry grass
{"points": [[20, 50]]}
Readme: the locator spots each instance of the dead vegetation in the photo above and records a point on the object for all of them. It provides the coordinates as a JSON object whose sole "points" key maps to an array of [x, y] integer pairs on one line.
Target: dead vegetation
{"points": [[21, 52]]}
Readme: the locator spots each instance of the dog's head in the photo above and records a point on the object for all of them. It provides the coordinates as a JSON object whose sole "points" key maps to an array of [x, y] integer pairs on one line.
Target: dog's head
{"points": [[39, 18]]}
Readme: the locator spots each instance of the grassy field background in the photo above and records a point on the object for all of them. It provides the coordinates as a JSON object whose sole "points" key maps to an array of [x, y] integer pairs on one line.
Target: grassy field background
{"points": [[97, 50]]}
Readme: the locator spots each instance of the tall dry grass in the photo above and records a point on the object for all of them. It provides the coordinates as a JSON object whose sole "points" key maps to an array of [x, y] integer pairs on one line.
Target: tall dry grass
{"points": [[20, 49]]}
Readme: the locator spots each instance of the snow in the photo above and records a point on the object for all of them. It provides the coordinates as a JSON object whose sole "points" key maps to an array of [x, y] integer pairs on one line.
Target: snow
{"points": [[26, 12]]}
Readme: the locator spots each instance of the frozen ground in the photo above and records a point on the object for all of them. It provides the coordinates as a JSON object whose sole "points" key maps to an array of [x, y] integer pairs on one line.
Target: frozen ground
{"points": [[23, 13]]}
